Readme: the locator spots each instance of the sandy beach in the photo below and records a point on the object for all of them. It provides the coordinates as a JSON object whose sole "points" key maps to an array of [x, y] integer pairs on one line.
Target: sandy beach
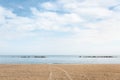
{"points": [[60, 72]]}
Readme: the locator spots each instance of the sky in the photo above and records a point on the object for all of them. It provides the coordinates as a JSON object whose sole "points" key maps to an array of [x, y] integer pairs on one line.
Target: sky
{"points": [[60, 27]]}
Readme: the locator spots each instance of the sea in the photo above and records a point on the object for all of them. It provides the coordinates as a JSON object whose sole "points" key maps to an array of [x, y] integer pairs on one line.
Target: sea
{"points": [[58, 59]]}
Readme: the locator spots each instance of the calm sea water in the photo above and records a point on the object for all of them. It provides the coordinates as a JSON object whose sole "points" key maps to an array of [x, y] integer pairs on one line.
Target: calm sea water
{"points": [[55, 59]]}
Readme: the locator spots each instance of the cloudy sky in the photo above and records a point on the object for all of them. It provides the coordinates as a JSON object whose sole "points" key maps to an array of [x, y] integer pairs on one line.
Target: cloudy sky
{"points": [[84, 27]]}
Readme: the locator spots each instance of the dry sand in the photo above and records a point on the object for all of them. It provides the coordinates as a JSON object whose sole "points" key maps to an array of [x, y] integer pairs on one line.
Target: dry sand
{"points": [[60, 72]]}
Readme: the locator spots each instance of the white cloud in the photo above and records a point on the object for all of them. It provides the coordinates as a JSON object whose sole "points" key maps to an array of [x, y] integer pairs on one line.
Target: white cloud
{"points": [[49, 6], [96, 12], [81, 19], [20, 7], [54, 21], [89, 8]]}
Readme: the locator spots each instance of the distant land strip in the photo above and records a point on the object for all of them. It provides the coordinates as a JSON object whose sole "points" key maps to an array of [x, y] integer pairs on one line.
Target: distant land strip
{"points": [[98, 56], [45, 56]]}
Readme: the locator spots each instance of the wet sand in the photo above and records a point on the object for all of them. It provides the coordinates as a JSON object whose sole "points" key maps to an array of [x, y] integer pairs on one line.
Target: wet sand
{"points": [[60, 72]]}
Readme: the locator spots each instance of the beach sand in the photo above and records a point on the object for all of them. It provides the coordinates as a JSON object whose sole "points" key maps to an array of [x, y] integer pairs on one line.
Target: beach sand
{"points": [[60, 72]]}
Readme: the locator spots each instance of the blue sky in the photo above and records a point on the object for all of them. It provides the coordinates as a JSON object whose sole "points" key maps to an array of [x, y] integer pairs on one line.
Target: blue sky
{"points": [[81, 27]]}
